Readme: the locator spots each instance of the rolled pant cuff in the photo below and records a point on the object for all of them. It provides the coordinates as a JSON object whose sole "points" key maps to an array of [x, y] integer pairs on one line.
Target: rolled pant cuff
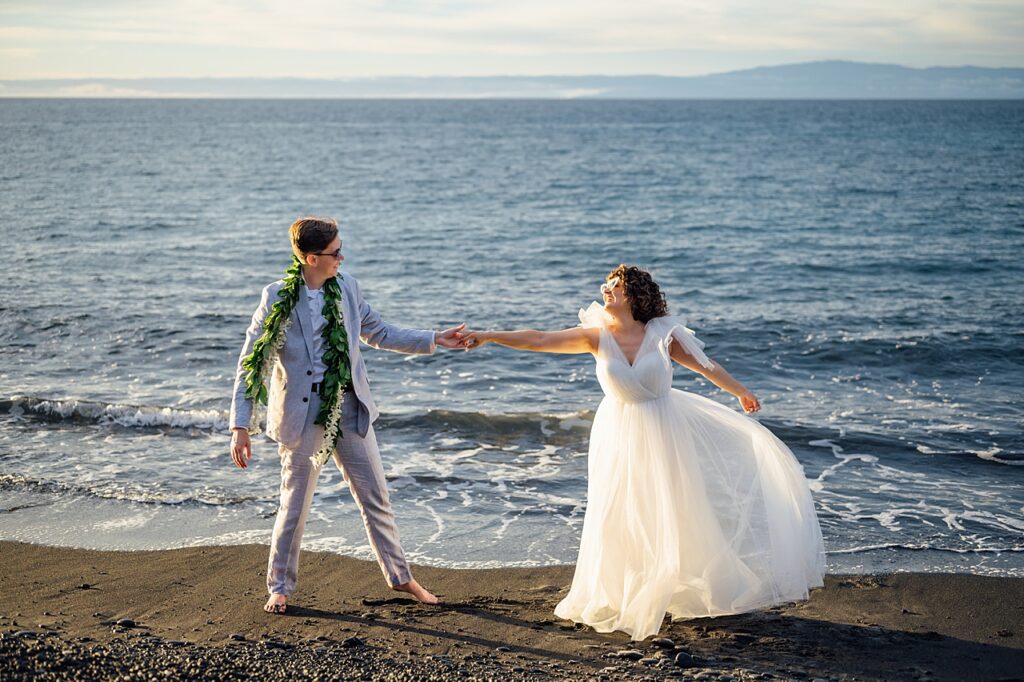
{"points": [[397, 579]]}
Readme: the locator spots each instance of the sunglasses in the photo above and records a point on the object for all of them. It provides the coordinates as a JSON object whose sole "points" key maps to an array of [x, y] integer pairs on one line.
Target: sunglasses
{"points": [[607, 287]]}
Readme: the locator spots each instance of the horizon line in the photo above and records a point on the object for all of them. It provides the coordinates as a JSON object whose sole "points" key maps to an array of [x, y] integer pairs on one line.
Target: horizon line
{"points": [[513, 75]]}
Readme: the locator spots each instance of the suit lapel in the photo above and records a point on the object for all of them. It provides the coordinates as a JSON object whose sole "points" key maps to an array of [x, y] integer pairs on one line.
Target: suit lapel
{"points": [[305, 322], [347, 314]]}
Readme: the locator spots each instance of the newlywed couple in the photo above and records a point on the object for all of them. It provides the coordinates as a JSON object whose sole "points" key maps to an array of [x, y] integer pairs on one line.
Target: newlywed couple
{"points": [[693, 509]]}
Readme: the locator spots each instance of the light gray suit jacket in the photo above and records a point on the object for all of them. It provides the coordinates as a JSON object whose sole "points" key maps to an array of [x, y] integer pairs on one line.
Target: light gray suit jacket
{"points": [[292, 377]]}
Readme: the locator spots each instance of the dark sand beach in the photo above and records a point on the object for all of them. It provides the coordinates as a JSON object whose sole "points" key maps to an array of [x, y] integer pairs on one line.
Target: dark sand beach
{"points": [[196, 613]]}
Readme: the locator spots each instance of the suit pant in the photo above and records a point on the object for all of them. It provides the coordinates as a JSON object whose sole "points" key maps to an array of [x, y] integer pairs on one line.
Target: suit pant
{"points": [[359, 461]]}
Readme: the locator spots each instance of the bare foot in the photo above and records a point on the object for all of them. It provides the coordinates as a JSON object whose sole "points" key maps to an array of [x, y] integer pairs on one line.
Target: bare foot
{"points": [[276, 604], [415, 589]]}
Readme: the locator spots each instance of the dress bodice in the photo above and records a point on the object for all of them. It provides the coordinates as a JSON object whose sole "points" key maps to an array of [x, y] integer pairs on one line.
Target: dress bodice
{"points": [[650, 375]]}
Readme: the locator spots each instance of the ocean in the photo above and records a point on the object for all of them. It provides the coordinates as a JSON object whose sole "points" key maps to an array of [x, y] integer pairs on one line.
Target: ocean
{"points": [[857, 264]]}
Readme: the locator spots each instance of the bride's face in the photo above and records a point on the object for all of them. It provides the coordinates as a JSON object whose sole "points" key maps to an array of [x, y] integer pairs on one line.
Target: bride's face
{"points": [[614, 293]]}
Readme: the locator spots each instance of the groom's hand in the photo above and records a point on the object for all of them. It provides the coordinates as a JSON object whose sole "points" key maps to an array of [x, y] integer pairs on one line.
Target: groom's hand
{"points": [[450, 338], [241, 447]]}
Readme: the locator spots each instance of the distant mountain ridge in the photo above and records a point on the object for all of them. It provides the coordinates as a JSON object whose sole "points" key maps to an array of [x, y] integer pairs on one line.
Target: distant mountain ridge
{"points": [[810, 80]]}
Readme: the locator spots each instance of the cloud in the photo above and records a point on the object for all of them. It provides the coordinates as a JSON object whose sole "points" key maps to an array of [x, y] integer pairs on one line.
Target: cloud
{"points": [[18, 52], [143, 32], [102, 90]]}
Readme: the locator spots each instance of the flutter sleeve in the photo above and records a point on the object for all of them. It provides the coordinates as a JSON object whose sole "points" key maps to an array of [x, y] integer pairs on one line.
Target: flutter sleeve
{"points": [[594, 317], [674, 327]]}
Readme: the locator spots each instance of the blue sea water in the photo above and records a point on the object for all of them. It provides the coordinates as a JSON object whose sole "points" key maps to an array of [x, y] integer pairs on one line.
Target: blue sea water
{"points": [[856, 264]]}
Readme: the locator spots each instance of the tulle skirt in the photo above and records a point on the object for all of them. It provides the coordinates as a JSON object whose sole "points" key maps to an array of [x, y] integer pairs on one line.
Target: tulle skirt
{"points": [[693, 510]]}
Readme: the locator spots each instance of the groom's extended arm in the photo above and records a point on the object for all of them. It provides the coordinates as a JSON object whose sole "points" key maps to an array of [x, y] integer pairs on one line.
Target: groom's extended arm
{"points": [[386, 336]]}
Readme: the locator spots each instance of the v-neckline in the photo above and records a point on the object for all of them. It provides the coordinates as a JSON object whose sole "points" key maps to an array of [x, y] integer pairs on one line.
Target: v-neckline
{"points": [[639, 348]]}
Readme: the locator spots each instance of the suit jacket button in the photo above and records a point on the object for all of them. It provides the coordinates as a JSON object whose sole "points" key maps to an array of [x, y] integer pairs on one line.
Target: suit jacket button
{"points": [[309, 372], [305, 400]]}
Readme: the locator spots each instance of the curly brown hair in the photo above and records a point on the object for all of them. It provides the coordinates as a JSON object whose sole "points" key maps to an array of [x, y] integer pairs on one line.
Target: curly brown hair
{"points": [[645, 298]]}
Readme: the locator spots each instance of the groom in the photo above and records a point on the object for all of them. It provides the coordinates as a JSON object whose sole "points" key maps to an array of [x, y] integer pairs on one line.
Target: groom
{"points": [[311, 354]]}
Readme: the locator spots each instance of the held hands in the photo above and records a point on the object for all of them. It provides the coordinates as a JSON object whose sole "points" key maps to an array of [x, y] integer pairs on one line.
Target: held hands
{"points": [[241, 447], [749, 402], [474, 339], [451, 338]]}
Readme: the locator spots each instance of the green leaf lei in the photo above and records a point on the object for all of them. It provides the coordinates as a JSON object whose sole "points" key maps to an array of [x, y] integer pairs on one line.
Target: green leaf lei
{"points": [[338, 375]]}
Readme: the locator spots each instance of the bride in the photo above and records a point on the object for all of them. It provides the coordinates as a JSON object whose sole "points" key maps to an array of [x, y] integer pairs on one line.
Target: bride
{"points": [[692, 508]]}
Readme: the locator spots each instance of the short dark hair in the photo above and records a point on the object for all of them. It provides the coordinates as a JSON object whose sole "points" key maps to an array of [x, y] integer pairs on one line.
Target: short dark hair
{"points": [[312, 234], [646, 301]]}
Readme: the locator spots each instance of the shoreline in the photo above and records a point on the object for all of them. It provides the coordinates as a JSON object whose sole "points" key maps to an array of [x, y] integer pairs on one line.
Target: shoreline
{"points": [[198, 611]]}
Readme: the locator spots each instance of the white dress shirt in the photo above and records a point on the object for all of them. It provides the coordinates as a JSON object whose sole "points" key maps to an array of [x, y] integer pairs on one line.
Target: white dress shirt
{"points": [[315, 300]]}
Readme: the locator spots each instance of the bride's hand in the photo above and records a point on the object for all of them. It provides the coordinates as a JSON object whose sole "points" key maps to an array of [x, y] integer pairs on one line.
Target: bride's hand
{"points": [[474, 339], [749, 402]]}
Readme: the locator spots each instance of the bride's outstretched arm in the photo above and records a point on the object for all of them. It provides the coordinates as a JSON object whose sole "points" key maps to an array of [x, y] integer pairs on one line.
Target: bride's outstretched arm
{"points": [[718, 376], [575, 340]]}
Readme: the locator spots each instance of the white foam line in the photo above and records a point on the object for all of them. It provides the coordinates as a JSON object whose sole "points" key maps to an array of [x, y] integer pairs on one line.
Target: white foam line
{"points": [[896, 545]]}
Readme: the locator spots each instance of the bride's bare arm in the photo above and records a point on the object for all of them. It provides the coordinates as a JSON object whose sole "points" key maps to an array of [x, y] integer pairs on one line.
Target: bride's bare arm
{"points": [[716, 375], [574, 340]]}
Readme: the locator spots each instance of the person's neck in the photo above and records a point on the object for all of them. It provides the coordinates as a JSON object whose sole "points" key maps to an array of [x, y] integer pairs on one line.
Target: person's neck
{"points": [[623, 321], [312, 279]]}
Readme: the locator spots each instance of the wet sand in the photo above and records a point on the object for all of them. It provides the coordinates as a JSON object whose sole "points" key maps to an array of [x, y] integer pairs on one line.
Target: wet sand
{"points": [[197, 612]]}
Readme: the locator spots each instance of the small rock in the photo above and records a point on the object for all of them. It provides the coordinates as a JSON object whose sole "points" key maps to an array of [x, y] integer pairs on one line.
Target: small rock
{"points": [[369, 615], [650, 661], [1004, 633], [85, 586], [25, 634], [125, 623], [237, 636], [629, 654], [608, 670], [546, 588], [351, 642], [503, 648], [664, 643], [275, 644], [684, 660]]}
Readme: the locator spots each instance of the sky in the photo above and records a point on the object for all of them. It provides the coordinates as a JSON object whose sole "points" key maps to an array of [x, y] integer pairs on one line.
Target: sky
{"points": [[362, 38]]}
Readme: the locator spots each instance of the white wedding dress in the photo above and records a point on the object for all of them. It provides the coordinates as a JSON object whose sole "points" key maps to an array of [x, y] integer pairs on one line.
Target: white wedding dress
{"points": [[693, 509]]}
